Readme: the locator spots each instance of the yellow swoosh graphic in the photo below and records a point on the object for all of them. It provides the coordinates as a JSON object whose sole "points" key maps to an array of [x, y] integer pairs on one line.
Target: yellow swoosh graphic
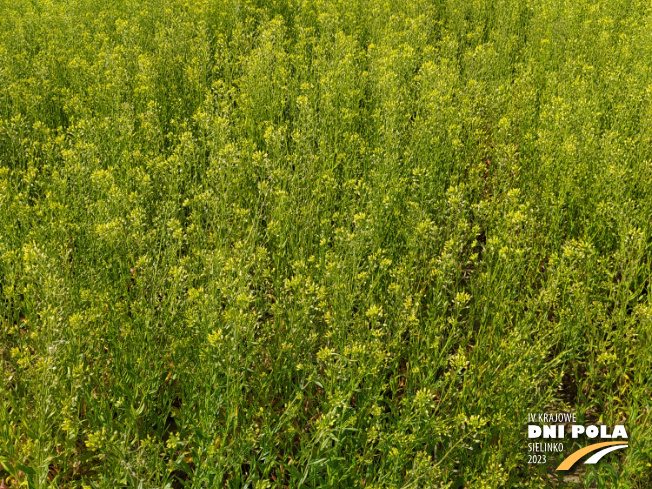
{"points": [[595, 458], [575, 456]]}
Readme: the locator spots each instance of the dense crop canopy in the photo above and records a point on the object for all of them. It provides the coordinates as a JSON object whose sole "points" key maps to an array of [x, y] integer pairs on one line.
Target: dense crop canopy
{"points": [[321, 243]]}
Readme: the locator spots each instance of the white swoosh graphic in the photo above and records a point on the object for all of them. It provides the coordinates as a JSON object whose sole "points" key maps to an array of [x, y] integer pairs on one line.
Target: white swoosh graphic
{"points": [[596, 457]]}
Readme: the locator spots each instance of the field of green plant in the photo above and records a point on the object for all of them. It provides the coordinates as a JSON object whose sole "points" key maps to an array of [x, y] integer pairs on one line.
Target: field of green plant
{"points": [[322, 243]]}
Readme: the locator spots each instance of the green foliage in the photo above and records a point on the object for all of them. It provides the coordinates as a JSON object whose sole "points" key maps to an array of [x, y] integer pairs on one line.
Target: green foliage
{"points": [[321, 243]]}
